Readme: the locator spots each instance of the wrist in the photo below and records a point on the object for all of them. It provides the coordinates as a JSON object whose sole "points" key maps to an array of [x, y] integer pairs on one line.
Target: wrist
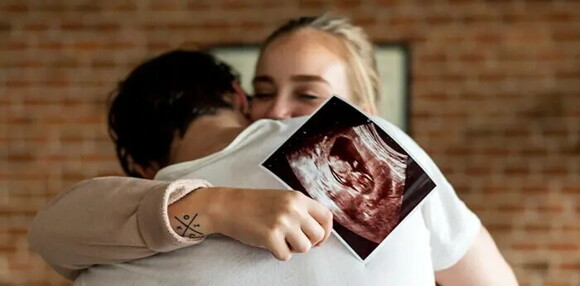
{"points": [[217, 208], [190, 215]]}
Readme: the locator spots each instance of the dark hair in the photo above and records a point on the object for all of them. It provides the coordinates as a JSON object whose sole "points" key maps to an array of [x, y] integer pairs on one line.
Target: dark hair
{"points": [[159, 99]]}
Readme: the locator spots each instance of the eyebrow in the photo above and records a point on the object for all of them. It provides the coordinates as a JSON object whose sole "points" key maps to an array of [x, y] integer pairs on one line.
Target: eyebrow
{"points": [[298, 78], [262, 78], [304, 77]]}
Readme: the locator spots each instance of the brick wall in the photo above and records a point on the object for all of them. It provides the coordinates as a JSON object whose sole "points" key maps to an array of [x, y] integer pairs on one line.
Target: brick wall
{"points": [[495, 100]]}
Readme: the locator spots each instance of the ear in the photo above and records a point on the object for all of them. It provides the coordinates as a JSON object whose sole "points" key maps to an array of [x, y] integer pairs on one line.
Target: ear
{"points": [[147, 172], [240, 98]]}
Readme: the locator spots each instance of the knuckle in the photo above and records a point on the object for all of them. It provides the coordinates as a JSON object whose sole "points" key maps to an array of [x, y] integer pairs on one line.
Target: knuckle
{"points": [[328, 215], [290, 207], [271, 236], [279, 223], [294, 196]]}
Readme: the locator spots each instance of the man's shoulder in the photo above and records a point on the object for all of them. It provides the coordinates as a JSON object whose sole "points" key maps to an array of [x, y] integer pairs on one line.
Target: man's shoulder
{"points": [[398, 135], [268, 131], [290, 123]]}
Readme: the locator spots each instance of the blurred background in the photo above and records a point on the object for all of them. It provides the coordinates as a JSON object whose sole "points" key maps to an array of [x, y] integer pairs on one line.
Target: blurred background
{"points": [[495, 99]]}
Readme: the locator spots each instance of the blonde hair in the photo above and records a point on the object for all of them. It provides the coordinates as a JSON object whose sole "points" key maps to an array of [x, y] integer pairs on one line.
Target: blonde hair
{"points": [[359, 52]]}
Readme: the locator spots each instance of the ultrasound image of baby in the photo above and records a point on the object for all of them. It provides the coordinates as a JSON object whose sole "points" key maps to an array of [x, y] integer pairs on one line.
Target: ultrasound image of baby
{"points": [[357, 175]]}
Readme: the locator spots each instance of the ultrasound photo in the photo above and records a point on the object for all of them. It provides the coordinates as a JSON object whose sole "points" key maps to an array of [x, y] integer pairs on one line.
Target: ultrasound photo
{"points": [[342, 159]]}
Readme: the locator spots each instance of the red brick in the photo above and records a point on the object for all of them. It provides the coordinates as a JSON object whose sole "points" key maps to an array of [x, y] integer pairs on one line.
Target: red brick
{"points": [[5, 27], [20, 157], [511, 208], [477, 19], [88, 46], [214, 26], [525, 246], [472, 57], [566, 35], [490, 151], [160, 46], [52, 8], [235, 5], [164, 6], [313, 4], [13, 46], [199, 5], [434, 58], [387, 3], [557, 284], [498, 227], [439, 19], [80, 26], [105, 64], [495, 188], [536, 227], [365, 21], [553, 209], [251, 25], [88, 8], [551, 171], [570, 266], [16, 7], [571, 190], [571, 74], [113, 46], [51, 45], [518, 133], [402, 20], [563, 246], [517, 171], [488, 38], [538, 266], [458, 151]]}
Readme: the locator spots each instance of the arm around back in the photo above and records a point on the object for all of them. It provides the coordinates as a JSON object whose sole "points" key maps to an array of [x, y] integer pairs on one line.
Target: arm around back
{"points": [[108, 220]]}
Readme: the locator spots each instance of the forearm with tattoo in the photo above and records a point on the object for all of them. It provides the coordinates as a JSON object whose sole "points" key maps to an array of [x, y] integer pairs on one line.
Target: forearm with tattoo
{"points": [[191, 216], [187, 227]]}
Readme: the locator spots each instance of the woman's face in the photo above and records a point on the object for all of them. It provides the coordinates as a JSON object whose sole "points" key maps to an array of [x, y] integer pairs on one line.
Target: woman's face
{"points": [[296, 74]]}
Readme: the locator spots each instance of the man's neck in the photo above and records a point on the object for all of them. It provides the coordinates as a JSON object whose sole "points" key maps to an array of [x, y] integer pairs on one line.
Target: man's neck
{"points": [[208, 134]]}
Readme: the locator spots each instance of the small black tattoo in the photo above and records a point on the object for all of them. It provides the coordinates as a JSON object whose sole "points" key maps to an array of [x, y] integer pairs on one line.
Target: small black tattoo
{"points": [[189, 225]]}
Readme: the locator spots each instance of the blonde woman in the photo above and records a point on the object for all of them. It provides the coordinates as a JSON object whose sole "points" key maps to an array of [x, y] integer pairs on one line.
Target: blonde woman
{"points": [[309, 59], [301, 64]]}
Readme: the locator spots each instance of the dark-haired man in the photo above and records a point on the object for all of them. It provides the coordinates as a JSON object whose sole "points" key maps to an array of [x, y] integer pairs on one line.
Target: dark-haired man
{"points": [[180, 117]]}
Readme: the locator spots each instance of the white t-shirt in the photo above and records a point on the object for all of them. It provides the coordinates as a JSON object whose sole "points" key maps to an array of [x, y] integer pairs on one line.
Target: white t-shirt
{"points": [[432, 237]]}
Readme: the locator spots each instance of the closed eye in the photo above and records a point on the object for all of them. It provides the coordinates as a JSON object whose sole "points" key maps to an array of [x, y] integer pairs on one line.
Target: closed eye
{"points": [[306, 96]]}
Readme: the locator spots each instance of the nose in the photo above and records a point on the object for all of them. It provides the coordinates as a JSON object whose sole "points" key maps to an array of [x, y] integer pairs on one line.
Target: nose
{"points": [[279, 109]]}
